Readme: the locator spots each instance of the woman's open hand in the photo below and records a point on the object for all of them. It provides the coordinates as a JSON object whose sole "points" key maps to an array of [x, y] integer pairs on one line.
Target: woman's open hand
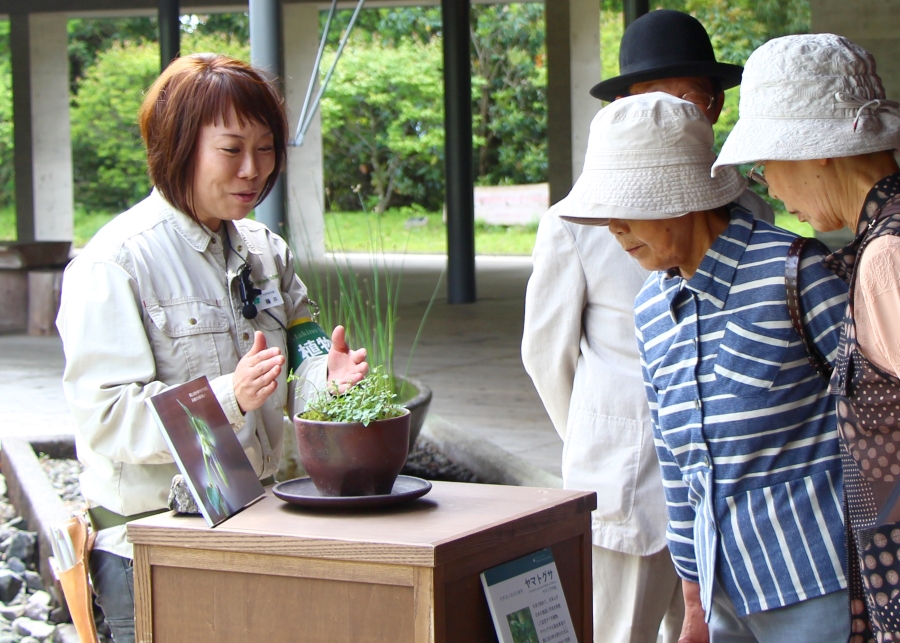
{"points": [[346, 367], [256, 375]]}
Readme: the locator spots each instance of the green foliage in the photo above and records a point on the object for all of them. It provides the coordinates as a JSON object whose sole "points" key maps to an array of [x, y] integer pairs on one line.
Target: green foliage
{"points": [[788, 221], [388, 26], [737, 27], [782, 17], [384, 126], [87, 223], [230, 43], [110, 168], [727, 117], [368, 401], [88, 38], [430, 236], [7, 223], [611, 29], [232, 27], [732, 27], [510, 86], [7, 173], [508, 93], [383, 121]]}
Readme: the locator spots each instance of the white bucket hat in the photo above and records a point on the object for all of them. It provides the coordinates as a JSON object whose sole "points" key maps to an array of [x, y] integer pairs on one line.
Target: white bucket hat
{"points": [[649, 157], [810, 97]]}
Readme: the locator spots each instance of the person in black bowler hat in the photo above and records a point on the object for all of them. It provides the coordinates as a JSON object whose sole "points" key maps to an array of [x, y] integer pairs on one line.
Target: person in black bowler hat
{"points": [[670, 50], [578, 346]]}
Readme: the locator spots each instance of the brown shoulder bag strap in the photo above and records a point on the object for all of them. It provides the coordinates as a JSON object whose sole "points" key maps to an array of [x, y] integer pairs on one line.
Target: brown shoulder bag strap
{"points": [[791, 274]]}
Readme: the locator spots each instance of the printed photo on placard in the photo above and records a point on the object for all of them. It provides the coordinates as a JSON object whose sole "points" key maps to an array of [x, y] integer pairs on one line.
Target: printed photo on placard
{"points": [[206, 450], [521, 625]]}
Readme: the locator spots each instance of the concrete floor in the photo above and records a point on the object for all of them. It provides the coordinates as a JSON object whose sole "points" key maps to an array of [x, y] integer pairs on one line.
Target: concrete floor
{"points": [[468, 354]]}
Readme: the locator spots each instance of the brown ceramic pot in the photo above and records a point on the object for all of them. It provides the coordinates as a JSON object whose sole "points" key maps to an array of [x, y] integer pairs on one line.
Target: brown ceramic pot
{"points": [[349, 459], [417, 403]]}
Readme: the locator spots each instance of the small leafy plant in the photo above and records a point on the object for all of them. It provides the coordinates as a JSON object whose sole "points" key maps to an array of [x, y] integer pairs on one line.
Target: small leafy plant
{"points": [[368, 401]]}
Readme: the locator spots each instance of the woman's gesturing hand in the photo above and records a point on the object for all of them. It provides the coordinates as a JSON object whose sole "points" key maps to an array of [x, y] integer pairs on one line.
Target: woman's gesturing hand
{"points": [[256, 375], [346, 367]]}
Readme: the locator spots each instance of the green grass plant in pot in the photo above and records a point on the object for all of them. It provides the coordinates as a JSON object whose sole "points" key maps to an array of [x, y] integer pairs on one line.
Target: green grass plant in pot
{"points": [[367, 307], [355, 443]]}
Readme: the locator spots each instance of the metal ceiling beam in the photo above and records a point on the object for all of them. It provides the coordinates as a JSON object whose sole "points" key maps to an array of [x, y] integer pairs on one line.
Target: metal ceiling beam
{"points": [[123, 8]]}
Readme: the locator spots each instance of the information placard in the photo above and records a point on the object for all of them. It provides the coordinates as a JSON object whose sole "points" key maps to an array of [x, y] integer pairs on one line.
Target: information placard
{"points": [[527, 602]]}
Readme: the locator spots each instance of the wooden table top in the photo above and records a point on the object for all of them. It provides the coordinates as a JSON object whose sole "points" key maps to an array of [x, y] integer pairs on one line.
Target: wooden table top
{"points": [[451, 520]]}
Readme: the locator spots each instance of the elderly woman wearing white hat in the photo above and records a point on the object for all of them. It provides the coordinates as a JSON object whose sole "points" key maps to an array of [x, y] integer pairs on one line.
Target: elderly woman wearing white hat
{"points": [[744, 427], [815, 121]]}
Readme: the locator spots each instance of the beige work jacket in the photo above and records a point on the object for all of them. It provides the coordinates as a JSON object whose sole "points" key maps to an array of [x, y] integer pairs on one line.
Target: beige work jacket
{"points": [[153, 302]]}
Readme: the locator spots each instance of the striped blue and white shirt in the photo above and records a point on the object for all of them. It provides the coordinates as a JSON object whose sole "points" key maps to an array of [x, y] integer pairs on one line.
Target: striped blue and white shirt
{"points": [[744, 427]]}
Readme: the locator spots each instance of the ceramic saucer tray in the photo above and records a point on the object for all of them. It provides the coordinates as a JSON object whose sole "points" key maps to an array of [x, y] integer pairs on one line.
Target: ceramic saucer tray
{"points": [[303, 492]]}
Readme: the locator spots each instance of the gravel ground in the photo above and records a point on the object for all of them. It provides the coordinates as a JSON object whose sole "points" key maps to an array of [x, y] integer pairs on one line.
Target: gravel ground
{"points": [[425, 461], [28, 613], [63, 475]]}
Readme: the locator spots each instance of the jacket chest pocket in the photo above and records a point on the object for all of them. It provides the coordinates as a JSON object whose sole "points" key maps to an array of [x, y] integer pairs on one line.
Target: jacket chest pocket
{"points": [[750, 358], [186, 336]]}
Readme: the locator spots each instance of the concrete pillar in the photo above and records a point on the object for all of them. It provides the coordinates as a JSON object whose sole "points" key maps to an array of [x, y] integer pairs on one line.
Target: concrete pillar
{"points": [[584, 73], [265, 52], [305, 175], [573, 60], [43, 144], [872, 24], [44, 290]]}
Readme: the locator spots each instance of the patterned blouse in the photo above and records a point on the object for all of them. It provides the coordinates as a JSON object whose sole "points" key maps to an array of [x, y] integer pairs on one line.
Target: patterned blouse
{"points": [[867, 408]]}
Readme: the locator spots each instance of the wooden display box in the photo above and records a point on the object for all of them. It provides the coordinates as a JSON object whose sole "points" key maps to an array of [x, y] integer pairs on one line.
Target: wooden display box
{"points": [[278, 573]]}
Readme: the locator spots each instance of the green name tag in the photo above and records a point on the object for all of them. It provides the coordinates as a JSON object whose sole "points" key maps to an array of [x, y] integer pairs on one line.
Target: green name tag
{"points": [[306, 339]]}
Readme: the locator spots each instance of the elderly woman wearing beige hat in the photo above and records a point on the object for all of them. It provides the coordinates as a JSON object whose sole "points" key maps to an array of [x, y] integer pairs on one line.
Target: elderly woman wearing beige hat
{"points": [[815, 121], [744, 427]]}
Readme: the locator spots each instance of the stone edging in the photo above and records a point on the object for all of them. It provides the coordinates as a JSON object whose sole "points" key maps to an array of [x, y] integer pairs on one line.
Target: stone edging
{"points": [[31, 493]]}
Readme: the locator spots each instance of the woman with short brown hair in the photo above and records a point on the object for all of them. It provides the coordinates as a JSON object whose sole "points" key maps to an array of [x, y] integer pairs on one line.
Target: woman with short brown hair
{"points": [[192, 92], [167, 292]]}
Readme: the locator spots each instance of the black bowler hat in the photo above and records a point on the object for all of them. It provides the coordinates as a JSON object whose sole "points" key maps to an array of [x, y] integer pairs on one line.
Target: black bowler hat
{"points": [[665, 44]]}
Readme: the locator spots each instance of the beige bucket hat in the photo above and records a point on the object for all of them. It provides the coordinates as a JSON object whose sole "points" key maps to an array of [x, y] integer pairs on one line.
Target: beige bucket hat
{"points": [[649, 157], [810, 97]]}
